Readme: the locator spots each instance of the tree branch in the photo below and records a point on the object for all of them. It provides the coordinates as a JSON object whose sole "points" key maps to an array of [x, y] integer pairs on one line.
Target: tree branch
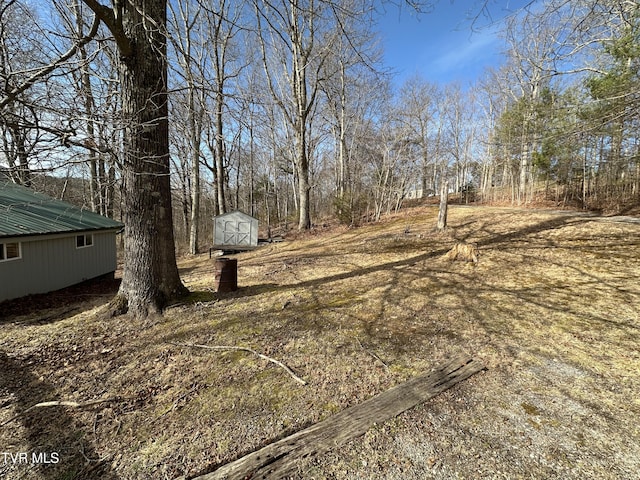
{"points": [[245, 349], [61, 403], [52, 66], [112, 18]]}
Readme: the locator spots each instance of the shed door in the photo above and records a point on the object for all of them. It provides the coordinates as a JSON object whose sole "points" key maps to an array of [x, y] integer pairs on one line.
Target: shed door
{"points": [[237, 233]]}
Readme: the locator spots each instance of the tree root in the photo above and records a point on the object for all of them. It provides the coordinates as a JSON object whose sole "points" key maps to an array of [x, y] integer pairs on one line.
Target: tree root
{"points": [[118, 306]]}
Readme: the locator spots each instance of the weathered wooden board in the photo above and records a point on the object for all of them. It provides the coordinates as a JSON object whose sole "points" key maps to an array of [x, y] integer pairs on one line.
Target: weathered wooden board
{"points": [[279, 458]]}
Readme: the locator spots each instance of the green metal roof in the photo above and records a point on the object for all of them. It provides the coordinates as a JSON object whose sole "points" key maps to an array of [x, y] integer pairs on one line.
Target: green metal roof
{"points": [[24, 212]]}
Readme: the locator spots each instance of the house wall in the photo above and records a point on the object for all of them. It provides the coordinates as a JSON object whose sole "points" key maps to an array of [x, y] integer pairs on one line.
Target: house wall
{"points": [[55, 263]]}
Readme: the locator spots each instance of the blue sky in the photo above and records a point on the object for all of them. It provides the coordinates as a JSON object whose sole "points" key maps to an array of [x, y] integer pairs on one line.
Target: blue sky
{"points": [[442, 45]]}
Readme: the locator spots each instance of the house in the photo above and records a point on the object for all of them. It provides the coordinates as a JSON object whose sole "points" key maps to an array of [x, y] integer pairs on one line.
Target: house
{"points": [[235, 231], [47, 244]]}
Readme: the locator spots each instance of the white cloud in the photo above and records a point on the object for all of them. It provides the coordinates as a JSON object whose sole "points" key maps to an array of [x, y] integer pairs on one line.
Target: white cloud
{"points": [[463, 52]]}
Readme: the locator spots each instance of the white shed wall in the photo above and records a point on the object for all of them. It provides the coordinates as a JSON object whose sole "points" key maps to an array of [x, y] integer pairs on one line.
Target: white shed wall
{"points": [[235, 229]]}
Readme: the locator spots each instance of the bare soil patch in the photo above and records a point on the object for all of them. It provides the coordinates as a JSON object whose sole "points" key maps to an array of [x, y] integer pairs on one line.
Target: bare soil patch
{"points": [[551, 308]]}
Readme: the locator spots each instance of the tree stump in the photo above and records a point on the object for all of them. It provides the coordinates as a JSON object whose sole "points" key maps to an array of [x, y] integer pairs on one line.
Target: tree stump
{"points": [[464, 252]]}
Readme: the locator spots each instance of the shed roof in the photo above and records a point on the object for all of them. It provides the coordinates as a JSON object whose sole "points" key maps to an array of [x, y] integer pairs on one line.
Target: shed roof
{"points": [[24, 212], [235, 213]]}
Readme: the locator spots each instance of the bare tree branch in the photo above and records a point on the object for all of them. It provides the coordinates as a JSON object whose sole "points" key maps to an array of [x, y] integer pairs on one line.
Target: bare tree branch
{"points": [[10, 96], [112, 18], [245, 349]]}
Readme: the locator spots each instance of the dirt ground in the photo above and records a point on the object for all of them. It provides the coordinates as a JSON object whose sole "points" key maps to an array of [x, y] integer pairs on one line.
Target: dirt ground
{"points": [[552, 308]]}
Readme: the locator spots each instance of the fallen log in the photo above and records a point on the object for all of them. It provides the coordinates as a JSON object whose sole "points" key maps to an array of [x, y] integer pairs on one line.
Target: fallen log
{"points": [[279, 458]]}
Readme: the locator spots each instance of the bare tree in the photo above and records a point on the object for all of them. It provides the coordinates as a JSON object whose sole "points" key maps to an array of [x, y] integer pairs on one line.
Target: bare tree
{"points": [[530, 45], [188, 41], [461, 125], [150, 276], [490, 100], [223, 27], [22, 55], [93, 105], [299, 35], [441, 224], [418, 109], [349, 92]]}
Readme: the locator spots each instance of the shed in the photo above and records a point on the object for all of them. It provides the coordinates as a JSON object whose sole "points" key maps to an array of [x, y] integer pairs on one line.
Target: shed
{"points": [[235, 231], [47, 244]]}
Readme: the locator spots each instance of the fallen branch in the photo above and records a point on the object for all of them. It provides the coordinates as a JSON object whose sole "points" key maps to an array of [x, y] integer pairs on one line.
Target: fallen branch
{"points": [[245, 349], [61, 403], [372, 354]]}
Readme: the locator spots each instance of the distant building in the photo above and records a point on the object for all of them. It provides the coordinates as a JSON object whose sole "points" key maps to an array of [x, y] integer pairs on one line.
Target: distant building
{"points": [[235, 231], [47, 244], [414, 194]]}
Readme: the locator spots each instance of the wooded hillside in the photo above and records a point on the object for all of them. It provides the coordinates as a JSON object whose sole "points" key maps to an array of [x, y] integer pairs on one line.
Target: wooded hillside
{"points": [[283, 110]]}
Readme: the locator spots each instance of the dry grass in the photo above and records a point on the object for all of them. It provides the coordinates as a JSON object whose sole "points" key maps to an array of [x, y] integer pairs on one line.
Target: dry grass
{"points": [[552, 308]]}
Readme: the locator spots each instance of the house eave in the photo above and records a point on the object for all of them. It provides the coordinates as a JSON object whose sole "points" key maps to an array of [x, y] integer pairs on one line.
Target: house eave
{"points": [[30, 237]]}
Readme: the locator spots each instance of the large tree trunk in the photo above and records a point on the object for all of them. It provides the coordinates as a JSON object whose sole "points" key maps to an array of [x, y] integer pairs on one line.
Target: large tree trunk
{"points": [[150, 275]]}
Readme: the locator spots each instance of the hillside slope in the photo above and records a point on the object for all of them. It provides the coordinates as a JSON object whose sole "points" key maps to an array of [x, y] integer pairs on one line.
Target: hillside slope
{"points": [[551, 308]]}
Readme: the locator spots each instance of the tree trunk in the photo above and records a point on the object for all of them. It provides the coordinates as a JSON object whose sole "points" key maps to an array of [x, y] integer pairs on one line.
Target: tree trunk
{"points": [[304, 188], [220, 153], [442, 212], [524, 169], [195, 117], [150, 275], [301, 158], [86, 93]]}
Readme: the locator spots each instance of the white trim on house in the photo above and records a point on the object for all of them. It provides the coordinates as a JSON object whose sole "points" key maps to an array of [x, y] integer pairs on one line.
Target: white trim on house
{"points": [[84, 240]]}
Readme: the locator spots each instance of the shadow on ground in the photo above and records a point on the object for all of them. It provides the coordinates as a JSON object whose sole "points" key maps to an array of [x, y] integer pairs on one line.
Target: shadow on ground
{"points": [[57, 447], [60, 304]]}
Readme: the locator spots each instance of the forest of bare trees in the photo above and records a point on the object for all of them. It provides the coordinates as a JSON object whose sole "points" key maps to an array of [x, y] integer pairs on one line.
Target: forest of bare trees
{"points": [[285, 110]]}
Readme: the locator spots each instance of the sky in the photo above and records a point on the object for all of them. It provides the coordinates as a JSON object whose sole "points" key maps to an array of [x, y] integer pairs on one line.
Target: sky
{"points": [[445, 46]]}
